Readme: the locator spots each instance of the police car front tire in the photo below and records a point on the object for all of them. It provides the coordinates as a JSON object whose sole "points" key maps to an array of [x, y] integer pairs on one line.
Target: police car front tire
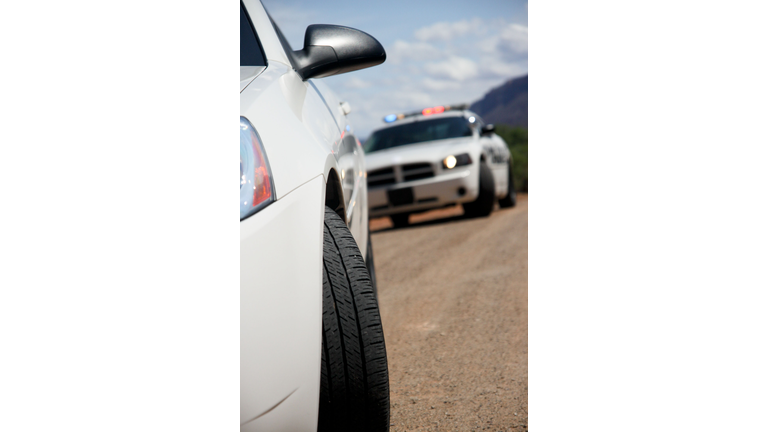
{"points": [[486, 197], [354, 380], [510, 200]]}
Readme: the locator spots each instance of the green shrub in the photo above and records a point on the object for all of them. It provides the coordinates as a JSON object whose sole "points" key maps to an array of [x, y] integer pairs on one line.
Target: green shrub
{"points": [[517, 142]]}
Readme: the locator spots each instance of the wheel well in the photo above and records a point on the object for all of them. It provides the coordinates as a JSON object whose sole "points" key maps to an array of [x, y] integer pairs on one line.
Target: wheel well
{"points": [[334, 197]]}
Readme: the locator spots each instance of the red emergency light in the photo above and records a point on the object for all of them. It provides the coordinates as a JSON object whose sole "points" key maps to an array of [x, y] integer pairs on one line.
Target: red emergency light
{"points": [[433, 110]]}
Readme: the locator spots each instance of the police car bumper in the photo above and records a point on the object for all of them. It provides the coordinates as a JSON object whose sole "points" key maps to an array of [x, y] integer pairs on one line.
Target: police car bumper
{"points": [[459, 185]]}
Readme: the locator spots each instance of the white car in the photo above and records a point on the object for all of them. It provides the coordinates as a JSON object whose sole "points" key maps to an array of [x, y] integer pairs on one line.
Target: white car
{"points": [[434, 158], [312, 353]]}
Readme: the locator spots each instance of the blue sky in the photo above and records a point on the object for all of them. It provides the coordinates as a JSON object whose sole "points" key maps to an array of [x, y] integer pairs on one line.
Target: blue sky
{"points": [[438, 52]]}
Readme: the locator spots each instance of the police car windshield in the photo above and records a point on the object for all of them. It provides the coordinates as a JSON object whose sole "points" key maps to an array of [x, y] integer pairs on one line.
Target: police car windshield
{"points": [[417, 132]]}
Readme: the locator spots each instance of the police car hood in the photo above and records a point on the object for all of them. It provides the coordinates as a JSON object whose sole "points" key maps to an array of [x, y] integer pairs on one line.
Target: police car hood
{"points": [[430, 151]]}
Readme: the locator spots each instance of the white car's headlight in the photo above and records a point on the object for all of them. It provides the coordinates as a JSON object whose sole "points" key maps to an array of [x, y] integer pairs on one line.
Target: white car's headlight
{"points": [[257, 189], [452, 161]]}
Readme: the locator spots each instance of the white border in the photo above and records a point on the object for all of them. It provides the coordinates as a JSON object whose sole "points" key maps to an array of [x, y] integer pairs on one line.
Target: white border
{"points": [[119, 288], [648, 222]]}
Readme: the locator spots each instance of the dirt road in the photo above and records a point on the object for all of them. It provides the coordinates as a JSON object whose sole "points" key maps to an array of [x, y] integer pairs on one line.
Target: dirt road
{"points": [[453, 294]]}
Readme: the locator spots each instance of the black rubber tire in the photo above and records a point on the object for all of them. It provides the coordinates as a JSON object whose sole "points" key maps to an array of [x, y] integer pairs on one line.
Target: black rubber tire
{"points": [[511, 199], [354, 380], [483, 205], [400, 220], [371, 267]]}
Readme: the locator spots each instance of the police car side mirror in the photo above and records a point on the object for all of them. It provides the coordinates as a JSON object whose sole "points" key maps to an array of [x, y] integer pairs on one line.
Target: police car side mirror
{"points": [[488, 129], [332, 50]]}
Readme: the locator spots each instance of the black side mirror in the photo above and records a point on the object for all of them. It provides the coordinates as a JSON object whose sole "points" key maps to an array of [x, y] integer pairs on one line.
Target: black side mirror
{"points": [[488, 129], [332, 50]]}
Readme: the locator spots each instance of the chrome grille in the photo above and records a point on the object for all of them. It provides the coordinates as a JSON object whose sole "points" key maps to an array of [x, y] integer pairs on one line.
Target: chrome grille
{"points": [[417, 171], [381, 177], [397, 174]]}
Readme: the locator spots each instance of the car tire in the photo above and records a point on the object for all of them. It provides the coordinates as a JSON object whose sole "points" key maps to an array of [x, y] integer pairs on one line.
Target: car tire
{"points": [[400, 220], [354, 380], [511, 199], [486, 197], [371, 268]]}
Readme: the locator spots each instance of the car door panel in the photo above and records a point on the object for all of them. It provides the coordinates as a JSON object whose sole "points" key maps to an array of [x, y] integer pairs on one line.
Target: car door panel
{"points": [[350, 158]]}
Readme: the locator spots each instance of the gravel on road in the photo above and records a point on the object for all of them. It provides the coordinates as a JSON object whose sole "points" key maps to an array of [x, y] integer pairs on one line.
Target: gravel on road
{"points": [[453, 295]]}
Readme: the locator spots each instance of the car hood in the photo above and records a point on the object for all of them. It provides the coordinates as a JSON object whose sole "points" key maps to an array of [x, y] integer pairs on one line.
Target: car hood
{"points": [[431, 151]]}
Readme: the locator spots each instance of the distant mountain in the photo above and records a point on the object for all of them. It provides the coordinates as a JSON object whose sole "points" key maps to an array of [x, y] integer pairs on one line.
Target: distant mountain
{"points": [[507, 104]]}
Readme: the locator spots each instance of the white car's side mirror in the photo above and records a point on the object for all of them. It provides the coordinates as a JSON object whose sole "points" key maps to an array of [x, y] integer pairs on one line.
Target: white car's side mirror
{"points": [[332, 50], [488, 129]]}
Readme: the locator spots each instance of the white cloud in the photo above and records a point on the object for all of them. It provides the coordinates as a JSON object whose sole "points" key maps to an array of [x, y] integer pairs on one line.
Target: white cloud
{"points": [[356, 83], [406, 99], [455, 68], [445, 31], [402, 51], [438, 85], [511, 43], [515, 38], [494, 67]]}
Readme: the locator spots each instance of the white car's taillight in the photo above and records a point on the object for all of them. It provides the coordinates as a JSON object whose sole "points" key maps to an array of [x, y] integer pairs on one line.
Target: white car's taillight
{"points": [[257, 190]]}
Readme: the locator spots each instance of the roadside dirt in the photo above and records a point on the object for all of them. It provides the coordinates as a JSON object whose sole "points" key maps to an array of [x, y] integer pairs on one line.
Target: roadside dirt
{"points": [[453, 294]]}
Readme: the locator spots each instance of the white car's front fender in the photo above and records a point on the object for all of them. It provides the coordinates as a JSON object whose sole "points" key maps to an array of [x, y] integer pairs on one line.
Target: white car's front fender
{"points": [[281, 312]]}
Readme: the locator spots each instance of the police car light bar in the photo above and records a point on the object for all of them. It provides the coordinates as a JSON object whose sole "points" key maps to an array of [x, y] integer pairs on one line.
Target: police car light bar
{"points": [[426, 111]]}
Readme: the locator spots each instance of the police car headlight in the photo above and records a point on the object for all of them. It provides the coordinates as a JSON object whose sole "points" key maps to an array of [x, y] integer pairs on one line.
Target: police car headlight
{"points": [[256, 186], [452, 161]]}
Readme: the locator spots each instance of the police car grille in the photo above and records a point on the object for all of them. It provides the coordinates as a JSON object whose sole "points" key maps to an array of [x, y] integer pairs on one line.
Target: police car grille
{"points": [[417, 171], [381, 177]]}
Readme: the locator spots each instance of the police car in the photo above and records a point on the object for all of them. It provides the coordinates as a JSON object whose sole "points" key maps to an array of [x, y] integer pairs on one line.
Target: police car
{"points": [[312, 353], [437, 157]]}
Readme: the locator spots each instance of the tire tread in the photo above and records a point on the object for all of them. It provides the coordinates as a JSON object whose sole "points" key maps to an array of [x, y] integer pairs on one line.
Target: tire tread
{"points": [[356, 393]]}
